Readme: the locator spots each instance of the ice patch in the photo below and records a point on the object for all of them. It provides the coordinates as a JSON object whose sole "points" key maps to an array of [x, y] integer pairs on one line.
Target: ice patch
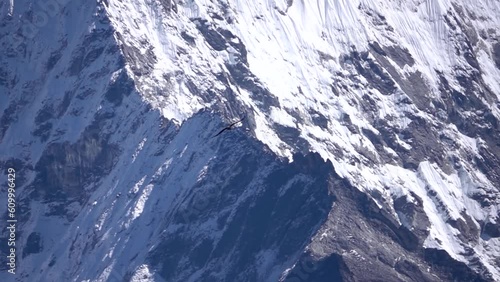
{"points": [[138, 149], [139, 206]]}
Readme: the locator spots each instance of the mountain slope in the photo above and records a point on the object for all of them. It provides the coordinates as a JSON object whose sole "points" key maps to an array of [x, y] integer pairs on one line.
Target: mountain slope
{"points": [[109, 112]]}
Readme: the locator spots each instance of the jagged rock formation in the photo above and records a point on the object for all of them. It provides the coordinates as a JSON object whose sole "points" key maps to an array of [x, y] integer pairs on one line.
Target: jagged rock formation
{"points": [[370, 151]]}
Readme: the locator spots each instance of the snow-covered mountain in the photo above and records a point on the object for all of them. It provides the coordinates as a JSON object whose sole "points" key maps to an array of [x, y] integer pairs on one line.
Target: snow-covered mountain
{"points": [[370, 149]]}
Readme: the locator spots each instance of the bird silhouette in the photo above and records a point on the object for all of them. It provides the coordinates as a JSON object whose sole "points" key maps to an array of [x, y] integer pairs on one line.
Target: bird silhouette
{"points": [[229, 127]]}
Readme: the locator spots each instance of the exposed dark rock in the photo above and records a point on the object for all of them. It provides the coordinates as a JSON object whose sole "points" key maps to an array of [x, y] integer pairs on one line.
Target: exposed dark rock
{"points": [[291, 136], [376, 18], [273, 218], [412, 215], [169, 5], [219, 39], [421, 136], [374, 138], [479, 121], [190, 39], [388, 225], [45, 114], [361, 242], [448, 18], [63, 106], [487, 160], [346, 121], [470, 57], [121, 87], [469, 232], [448, 268], [235, 42], [64, 170], [374, 73], [413, 85], [87, 52], [377, 48], [43, 131], [492, 229], [319, 119], [412, 271], [34, 244], [352, 258], [379, 144], [245, 79], [369, 107], [332, 268], [496, 54], [142, 64], [211, 35], [401, 56], [9, 116], [5, 77]]}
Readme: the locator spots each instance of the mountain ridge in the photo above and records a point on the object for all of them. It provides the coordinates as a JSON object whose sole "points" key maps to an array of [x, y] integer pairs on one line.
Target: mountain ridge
{"points": [[109, 105]]}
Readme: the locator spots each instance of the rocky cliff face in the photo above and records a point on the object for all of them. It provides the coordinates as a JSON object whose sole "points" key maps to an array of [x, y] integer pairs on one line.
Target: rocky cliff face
{"points": [[370, 149]]}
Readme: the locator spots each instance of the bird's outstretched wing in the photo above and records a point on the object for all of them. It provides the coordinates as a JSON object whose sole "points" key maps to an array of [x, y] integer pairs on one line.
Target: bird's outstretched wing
{"points": [[226, 128], [229, 127]]}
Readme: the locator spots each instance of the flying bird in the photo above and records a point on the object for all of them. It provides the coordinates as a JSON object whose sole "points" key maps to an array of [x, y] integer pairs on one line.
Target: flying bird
{"points": [[229, 127]]}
